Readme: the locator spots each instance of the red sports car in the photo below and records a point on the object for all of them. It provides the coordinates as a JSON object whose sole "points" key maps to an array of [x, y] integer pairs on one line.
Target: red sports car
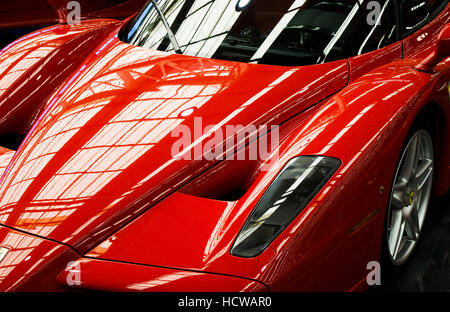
{"points": [[19, 17], [241, 145]]}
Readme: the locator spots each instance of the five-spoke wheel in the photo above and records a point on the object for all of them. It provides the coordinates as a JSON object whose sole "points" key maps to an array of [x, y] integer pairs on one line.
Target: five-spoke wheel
{"points": [[410, 197]]}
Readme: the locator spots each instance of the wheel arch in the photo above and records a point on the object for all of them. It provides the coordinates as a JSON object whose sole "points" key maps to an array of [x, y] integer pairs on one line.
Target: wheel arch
{"points": [[435, 117]]}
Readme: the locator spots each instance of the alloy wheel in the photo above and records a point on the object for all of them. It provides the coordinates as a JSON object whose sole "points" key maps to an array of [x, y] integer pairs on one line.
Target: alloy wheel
{"points": [[410, 197]]}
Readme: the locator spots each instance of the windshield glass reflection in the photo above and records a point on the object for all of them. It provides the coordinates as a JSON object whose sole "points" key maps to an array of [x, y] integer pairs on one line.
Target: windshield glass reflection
{"points": [[284, 32]]}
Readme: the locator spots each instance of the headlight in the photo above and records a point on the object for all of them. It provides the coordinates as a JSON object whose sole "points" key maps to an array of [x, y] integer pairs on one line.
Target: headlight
{"points": [[287, 196]]}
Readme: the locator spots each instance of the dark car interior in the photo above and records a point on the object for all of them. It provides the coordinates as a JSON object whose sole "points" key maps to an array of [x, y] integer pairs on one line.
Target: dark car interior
{"points": [[301, 42]]}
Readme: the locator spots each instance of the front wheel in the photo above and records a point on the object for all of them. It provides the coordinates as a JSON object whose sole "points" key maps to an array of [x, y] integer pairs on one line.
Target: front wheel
{"points": [[409, 198]]}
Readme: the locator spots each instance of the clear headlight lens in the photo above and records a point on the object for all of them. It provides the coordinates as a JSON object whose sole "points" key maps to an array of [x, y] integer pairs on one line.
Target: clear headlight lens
{"points": [[287, 196]]}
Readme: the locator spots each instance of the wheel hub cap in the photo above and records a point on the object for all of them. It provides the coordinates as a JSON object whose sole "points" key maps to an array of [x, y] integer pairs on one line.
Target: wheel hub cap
{"points": [[411, 198]]}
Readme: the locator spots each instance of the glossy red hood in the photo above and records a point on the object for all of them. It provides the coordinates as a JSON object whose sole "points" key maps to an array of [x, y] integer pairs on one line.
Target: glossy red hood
{"points": [[100, 153]]}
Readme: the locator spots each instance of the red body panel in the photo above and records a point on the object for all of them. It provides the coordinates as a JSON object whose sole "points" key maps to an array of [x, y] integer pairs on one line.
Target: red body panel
{"points": [[25, 67], [122, 126], [32, 263], [343, 128], [5, 158], [362, 64], [96, 275], [96, 173]]}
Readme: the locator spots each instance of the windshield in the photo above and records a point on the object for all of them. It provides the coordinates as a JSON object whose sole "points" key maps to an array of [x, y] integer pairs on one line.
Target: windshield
{"points": [[281, 32]]}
